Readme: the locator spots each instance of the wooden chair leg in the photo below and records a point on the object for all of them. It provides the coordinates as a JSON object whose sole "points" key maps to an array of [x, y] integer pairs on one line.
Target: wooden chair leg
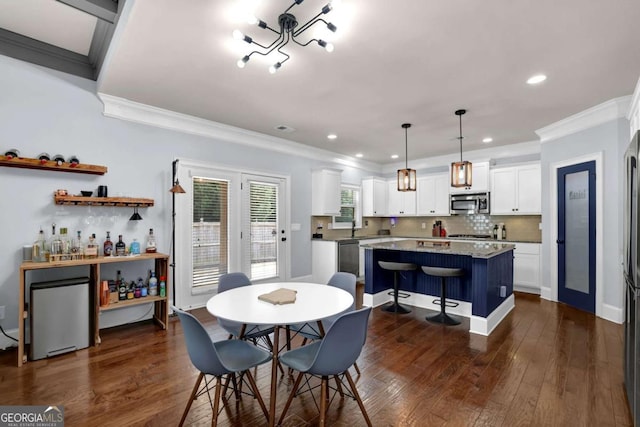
{"points": [[236, 389], [256, 393], [338, 385], [323, 400], [355, 365], [271, 348], [296, 384], [191, 398], [216, 403], [354, 390]]}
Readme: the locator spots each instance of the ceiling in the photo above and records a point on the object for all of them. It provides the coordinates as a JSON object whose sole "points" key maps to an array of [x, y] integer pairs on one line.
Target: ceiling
{"points": [[394, 62]]}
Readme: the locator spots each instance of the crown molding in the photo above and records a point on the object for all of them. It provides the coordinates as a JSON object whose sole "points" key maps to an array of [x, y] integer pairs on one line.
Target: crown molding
{"points": [[482, 155], [607, 111], [124, 109], [634, 110]]}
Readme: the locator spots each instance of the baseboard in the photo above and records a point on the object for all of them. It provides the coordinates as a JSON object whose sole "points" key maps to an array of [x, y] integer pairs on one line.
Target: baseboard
{"points": [[307, 278], [613, 314], [545, 293], [527, 289], [484, 326], [6, 342]]}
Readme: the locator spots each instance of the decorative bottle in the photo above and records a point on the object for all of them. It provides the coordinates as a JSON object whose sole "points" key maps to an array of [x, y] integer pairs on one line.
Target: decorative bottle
{"points": [[121, 247], [66, 244], [151, 242], [76, 246], [107, 248], [134, 248], [504, 232]]}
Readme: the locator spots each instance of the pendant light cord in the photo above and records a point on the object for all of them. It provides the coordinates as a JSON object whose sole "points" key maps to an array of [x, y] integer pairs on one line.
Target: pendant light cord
{"points": [[460, 138], [406, 150]]}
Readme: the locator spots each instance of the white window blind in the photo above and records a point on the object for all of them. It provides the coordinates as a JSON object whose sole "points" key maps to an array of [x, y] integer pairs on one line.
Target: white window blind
{"points": [[210, 231], [263, 229]]}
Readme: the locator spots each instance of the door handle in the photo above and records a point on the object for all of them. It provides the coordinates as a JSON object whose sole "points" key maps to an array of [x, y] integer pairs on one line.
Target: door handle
{"points": [[284, 239], [560, 242]]}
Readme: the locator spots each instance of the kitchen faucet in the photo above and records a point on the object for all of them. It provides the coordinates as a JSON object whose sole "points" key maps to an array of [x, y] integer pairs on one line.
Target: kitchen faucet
{"points": [[353, 228]]}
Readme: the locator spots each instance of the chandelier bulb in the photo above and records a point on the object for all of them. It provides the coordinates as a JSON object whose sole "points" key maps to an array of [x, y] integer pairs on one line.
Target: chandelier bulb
{"points": [[252, 20], [275, 67], [243, 61], [327, 8], [332, 27], [328, 46], [237, 34]]}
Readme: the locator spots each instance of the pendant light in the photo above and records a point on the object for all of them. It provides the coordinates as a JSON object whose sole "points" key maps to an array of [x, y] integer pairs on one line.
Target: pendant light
{"points": [[406, 176], [461, 172]]}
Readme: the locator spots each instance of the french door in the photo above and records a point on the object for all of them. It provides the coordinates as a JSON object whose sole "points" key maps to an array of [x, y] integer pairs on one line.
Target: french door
{"points": [[227, 222]]}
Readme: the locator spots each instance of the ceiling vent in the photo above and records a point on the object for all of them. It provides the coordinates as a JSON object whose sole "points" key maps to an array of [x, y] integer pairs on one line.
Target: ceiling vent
{"points": [[284, 128]]}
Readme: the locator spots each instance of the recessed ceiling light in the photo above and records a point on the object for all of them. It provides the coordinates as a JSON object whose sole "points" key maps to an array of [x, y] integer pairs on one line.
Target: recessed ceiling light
{"points": [[538, 78], [284, 128], [487, 140], [394, 156], [359, 155], [332, 136]]}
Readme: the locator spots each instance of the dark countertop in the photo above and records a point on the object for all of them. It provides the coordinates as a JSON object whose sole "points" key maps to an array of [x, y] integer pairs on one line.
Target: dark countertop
{"points": [[475, 249], [453, 239]]}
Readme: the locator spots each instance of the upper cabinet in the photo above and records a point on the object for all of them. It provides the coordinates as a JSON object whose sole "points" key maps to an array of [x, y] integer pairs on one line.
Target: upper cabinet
{"points": [[325, 192], [374, 197], [433, 195], [400, 202], [480, 179], [516, 190]]}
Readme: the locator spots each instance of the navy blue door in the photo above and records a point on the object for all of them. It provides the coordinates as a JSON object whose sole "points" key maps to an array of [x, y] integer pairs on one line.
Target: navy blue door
{"points": [[577, 236]]}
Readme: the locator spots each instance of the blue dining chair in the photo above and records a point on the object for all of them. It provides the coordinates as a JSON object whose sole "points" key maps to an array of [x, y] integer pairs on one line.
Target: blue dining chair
{"points": [[219, 359], [252, 332], [330, 357]]}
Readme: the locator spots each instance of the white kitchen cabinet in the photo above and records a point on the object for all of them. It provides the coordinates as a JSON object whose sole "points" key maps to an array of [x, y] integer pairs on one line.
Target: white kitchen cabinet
{"points": [[516, 190], [433, 195], [479, 180], [325, 192], [401, 203], [324, 260], [374, 197], [526, 267]]}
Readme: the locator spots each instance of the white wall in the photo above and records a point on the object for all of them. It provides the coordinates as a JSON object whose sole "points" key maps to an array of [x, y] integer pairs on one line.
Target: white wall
{"points": [[42, 110], [610, 138]]}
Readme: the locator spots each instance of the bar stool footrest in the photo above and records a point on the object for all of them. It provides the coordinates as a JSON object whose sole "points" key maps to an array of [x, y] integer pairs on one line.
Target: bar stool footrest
{"points": [[400, 294], [446, 303]]}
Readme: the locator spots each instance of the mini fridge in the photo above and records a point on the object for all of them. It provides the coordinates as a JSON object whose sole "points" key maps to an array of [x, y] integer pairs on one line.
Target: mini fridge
{"points": [[59, 317]]}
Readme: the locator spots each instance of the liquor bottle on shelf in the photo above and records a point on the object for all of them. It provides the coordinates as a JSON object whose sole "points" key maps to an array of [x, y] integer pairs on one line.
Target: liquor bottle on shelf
{"points": [[153, 284], [131, 290], [144, 291], [122, 287], [151, 242], [121, 247], [134, 248], [55, 244], [163, 287], [38, 248], [504, 232], [76, 247], [91, 251], [107, 247], [66, 243]]}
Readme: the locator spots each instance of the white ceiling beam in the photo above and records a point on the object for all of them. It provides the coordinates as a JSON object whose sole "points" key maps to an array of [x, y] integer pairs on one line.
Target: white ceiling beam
{"points": [[105, 10]]}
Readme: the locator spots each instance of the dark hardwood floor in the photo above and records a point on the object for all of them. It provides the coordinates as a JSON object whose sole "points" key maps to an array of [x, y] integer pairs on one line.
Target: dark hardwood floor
{"points": [[546, 364]]}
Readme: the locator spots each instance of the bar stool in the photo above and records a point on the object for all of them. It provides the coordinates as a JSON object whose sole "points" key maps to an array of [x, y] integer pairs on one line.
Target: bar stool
{"points": [[394, 307], [443, 273]]}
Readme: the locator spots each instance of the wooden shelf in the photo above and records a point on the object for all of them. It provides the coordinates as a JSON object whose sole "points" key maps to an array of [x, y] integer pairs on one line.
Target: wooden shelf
{"points": [[26, 163], [31, 265], [103, 201], [131, 302]]}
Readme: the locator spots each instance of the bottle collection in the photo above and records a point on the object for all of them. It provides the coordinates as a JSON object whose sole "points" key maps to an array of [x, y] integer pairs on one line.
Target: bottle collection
{"points": [[112, 291], [60, 247]]}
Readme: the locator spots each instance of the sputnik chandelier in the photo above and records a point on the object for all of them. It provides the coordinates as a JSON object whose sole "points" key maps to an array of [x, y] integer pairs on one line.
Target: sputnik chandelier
{"points": [[288, 31]]}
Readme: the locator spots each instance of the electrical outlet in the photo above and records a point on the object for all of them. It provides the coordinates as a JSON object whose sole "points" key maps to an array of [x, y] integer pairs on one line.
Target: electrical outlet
{"points": [[424, 225], [1, 312]]}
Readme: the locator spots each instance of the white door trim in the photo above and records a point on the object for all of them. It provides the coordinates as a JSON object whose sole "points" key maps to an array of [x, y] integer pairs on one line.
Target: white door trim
{"points": [[552, 292]]}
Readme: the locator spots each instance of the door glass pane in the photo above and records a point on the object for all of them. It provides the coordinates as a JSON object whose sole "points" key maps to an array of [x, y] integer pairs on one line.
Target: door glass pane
{"points": [[209, 231], [263, 205], [577, 231]]}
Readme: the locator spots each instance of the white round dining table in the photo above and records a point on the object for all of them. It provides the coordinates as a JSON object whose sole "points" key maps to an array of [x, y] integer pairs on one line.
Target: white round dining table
{"points": [[313, 302]]}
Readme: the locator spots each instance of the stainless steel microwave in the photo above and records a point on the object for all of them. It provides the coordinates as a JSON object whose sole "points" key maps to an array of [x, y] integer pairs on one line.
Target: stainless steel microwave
{"points": [[472, 203]]}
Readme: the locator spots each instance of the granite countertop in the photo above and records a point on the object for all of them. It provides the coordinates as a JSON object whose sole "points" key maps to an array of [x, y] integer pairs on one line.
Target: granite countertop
{"points": [[475, 250]]}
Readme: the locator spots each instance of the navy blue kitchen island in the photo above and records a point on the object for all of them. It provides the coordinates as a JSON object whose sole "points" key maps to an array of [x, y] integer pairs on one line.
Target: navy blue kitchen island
{"points": [[484, 293]]}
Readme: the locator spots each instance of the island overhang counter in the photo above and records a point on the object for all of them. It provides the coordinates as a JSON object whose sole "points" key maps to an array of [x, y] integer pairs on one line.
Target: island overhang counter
{"points": [[484, 293]]}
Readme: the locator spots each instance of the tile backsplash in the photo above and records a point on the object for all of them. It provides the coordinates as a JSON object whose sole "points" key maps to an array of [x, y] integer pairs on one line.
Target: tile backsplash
{"points": [[524, 228]]}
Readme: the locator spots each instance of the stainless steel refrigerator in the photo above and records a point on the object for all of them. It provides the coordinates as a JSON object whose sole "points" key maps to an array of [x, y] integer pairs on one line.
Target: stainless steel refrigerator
{"points": [[632, 279]]}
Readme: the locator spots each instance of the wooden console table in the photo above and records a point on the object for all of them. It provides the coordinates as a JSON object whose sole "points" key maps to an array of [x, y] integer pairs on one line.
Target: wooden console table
{"points": [[161, 309]]}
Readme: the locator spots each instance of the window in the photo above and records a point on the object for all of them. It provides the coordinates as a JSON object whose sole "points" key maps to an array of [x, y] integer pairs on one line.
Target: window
{"points": [[350, 209]]}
